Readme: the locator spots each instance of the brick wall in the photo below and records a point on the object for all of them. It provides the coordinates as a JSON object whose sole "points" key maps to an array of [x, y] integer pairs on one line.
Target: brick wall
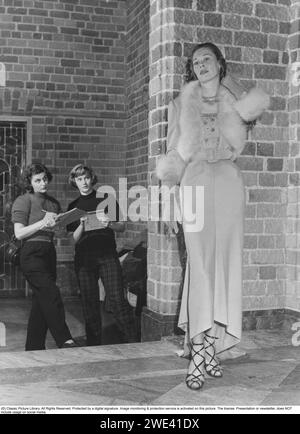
{"points": [[137, 61], [254, 38], [80, 69], [293, 168], [65, 64], [265, 157]]}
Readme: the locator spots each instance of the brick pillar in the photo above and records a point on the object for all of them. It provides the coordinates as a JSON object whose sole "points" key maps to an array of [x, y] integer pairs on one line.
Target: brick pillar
{"points": [[293, 206], [174, 29], [164, 269]]}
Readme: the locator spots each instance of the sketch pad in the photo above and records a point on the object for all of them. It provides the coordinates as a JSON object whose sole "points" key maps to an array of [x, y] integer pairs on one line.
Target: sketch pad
{"points": [[70, 216], [92, 222]]}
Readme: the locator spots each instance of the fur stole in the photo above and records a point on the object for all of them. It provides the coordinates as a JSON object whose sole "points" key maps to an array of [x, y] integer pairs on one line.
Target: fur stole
{"points": [[232, 115]]}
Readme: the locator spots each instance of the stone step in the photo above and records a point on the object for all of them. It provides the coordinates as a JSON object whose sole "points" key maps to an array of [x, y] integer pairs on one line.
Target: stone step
{"points": [[104, 353]]}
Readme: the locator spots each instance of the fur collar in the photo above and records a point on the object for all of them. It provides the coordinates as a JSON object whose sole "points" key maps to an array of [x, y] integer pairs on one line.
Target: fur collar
{"points": [[232, 115], [232, 128]]}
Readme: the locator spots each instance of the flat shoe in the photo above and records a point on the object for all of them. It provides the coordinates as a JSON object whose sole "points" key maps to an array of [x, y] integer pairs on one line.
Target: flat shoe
{"points": [[70, 345]]}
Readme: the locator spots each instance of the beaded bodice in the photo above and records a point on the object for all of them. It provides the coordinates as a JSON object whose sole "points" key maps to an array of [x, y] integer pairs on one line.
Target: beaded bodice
{"points": [[212, 146]]}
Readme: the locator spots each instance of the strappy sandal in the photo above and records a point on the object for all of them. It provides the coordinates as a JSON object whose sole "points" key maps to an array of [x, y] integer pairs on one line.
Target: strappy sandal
{"points": [[212, 367], [195, 379]]}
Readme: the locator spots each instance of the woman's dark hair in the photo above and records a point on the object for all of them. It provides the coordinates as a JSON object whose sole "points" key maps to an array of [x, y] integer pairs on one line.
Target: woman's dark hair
{"points": [[79, 170], [34, 169], [190, 74]]}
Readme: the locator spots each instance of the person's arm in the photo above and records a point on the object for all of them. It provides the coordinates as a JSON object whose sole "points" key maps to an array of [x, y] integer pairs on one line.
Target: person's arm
{"points": [[77, 234], [248, 106], [234, 86], [103, 223], [22, 231], [173, 125], [21, 211], [75, 229], [171, 166], [170, 169]]}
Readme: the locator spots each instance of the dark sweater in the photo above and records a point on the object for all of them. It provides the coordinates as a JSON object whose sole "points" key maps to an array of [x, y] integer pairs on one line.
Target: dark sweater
{"points": [[28, 209], [97, 243]]}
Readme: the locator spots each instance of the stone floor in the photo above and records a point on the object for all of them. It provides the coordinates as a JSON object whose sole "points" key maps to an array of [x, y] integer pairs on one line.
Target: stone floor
{"points": [[267, 372], [14, 314]]}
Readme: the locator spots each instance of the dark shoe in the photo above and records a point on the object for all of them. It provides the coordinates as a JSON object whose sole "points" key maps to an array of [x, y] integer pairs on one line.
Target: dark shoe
{"points": [[70, 345]]}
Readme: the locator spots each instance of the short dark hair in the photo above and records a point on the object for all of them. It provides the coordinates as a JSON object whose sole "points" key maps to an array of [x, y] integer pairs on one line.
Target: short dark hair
{"points": [[34, 169], [190, 74], [79, 170]]}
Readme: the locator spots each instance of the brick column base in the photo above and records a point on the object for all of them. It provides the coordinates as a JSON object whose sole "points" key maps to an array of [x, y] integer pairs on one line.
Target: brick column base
{"points": [[155, 325]]}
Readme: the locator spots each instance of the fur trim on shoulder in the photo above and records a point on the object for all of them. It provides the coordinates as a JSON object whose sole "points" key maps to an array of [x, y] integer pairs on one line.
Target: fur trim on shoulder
{"points": [[252, 105], [233, 85], [170, 168], [233, 129], [190, 125]]}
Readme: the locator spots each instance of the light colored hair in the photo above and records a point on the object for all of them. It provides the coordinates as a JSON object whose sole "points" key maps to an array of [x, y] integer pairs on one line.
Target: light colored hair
{"points": [[79, 170]]}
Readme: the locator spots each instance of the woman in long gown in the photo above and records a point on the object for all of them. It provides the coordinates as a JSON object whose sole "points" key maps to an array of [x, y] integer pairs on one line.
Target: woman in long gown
{"points": [[206, 132]]}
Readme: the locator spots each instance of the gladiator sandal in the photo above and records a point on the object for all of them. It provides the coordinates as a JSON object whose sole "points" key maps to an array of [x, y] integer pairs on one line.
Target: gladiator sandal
{"points": [[195, 379], [212, 364]]}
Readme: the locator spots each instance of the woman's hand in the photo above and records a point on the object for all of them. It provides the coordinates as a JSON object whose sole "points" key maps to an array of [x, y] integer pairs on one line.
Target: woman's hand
{"points": [[170, 227], [171, 214], [103, 220], [22, 231], [49, 220], [82, 223]]}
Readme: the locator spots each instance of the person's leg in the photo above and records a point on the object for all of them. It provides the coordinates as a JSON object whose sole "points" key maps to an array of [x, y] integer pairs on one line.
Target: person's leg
{"points": [[89, 290], [36, 328], [212, 364], [38, 264], [111, 275], [50, 304], [195, 376]]}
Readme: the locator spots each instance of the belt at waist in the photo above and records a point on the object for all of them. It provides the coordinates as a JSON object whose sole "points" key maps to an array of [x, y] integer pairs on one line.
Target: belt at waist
{"points": [[213, 155], [40, 238]]}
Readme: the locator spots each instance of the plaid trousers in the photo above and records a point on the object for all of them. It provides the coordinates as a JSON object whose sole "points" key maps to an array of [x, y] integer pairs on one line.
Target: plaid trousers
{"points": [[108, 268]]}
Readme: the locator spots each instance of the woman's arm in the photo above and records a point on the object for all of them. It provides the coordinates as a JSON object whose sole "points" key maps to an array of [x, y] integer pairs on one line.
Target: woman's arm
{"points": [[77, 234], [103, 223], [173, 125], [170, 167], [234, 86], [22, 231]]}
